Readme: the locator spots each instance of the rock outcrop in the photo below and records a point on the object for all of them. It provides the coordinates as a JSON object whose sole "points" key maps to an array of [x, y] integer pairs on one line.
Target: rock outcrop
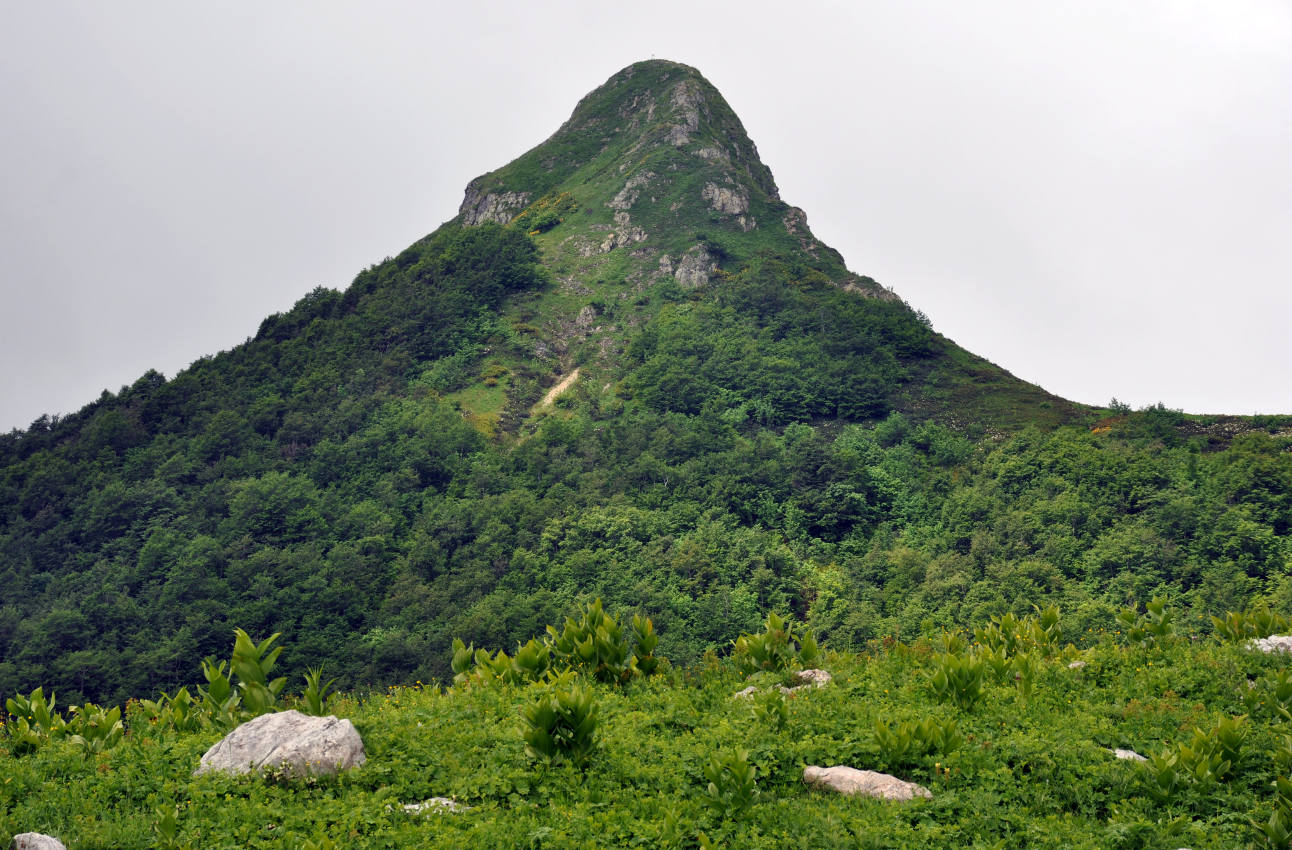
{"points": [[1128, 755], [479, 207], [695, 268], [863, 783], [725, 199], [287, 741]]}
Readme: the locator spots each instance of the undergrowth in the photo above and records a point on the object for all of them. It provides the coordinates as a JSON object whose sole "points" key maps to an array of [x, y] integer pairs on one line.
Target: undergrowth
{"points": [[562, 758]]}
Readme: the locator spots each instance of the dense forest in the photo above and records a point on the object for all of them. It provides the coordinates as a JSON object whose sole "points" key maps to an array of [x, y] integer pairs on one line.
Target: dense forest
{"points": [[749, 460], [377, 471]]}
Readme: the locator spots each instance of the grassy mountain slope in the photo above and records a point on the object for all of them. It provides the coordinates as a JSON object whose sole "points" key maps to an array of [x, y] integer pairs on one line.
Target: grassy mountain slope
{"points": [[746, 426]]}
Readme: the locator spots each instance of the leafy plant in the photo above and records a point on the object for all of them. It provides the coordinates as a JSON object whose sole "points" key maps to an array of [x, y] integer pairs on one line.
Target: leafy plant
{"points": [[560, 726], [1162, 775], [96, 729], [732, 783], [178, 711], [36, 720], [777, 648], [1276, 832], [314, 699], [593, 643], [252, 663], [644, 642], [1258, 622], [1154, 626], [906, 742], [771, 708], [958, 678], [220, 702], [166, 825]]}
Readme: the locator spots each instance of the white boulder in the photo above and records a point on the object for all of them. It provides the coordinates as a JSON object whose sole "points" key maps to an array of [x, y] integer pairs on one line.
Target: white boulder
{"points": [[1273, 643], [295, 743], [35, 841], [863, 783]]}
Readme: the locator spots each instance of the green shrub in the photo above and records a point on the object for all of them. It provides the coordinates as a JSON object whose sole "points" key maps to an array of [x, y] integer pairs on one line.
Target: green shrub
{"points": [[777, 648], [732, 783], [560, 726], [1154, 626], [96, 729], [36, 721], [958, 678], [252, 663], [1258, 622], [594, 644], [906, 742], [314, 699]]}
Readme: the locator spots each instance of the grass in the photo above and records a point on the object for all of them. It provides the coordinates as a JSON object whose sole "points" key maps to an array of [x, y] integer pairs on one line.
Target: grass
{"points": [[1031, 771]]}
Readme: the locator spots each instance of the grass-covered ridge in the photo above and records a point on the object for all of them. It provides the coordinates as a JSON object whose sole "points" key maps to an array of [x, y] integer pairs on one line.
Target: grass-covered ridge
{"points": [[1012, 729]]}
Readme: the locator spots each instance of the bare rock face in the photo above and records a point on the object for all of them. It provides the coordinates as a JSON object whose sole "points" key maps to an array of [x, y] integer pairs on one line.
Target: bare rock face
{"points": [[35, 841], [628, 195], [694, 268], [864, 783], [732, 201], [478, 207], [1273, 643], [687, 99], [295, 743]]}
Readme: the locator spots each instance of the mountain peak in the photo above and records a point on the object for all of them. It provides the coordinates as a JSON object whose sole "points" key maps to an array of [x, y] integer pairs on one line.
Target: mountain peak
{"points": [[656, 162]]}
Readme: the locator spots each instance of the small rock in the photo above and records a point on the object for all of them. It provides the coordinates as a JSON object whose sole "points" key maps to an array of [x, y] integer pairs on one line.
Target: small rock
{"points": [[1273, 643], [811, 678], [295, 743], [746, 693], [436, 804], [1129, 755], [35, 841], [1076, 665], [865, 783]]}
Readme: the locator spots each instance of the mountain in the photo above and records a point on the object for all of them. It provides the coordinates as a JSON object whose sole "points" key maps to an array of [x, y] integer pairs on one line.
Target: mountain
{"points": [[653, 189], [625, 369]]}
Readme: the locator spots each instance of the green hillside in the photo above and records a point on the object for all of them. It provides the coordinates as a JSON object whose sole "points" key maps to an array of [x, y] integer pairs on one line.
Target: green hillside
{"points": [[626, 369]]}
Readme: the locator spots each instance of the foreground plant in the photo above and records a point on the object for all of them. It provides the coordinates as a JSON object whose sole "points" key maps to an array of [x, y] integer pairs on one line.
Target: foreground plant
{"points": [[733, 786], [560, 726], [777, 648]]}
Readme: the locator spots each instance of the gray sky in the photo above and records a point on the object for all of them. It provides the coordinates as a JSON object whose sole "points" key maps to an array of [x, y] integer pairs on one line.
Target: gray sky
{"points": [[1095, 195]]}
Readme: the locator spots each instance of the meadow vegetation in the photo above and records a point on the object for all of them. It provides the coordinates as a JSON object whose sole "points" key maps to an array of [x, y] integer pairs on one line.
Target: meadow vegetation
{"points": [[1018, 752]]}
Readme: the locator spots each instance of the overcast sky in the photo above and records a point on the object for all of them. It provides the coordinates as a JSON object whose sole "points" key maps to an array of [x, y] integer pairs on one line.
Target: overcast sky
{"points": [[1095, 195]]}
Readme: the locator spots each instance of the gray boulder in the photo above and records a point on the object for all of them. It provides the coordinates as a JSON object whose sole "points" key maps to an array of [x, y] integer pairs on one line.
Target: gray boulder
{"points": [[295, 743], [863, 783], [1273, 643], [811, 678], [1128, 755], [35, 841]]}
